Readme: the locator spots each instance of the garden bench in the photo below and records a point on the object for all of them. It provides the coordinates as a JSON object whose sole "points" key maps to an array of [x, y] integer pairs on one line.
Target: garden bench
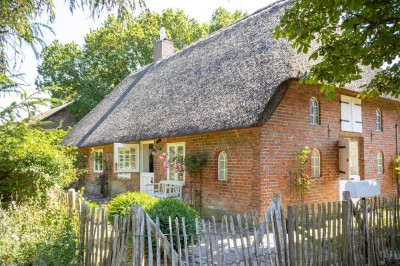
{"points": [[165, 189]]}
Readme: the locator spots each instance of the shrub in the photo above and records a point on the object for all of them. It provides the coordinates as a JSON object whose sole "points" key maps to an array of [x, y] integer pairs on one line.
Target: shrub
{"points": [[121, 204], [32, 161], [174, 208], [33, 234]]}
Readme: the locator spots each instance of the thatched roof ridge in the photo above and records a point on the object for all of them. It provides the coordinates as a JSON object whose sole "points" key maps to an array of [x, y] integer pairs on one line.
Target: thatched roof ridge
{"points": [[232, 79]]}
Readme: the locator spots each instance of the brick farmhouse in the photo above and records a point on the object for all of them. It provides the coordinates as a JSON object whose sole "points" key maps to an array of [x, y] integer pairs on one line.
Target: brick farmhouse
{"points": [[235, 97]]}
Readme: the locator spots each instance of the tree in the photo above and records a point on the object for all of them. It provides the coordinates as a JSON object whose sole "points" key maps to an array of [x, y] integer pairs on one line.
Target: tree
{"points": [[110, 53], [349, 34], [32, 161], [19, 26], [222, 17]]}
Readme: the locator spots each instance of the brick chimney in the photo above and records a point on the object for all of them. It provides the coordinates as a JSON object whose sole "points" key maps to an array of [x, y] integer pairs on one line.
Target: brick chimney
{"points": [[163, 48]]}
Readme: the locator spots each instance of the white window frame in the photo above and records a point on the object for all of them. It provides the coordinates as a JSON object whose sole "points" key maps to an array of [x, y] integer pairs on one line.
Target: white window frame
{"points": [[222, 166], [378, 120], [96, 164], [379, 163], [117, 168], [175, 146], [315, 163], [314, 111]]}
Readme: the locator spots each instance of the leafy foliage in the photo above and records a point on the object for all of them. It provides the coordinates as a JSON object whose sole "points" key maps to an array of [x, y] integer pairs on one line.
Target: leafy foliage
{"points": [[32, 161], [222, 17], [165, 208], [121, 204], [302, 181], [110, 53], [22, 23], [33, 234], [161, 208], [350, 34], [195, 163]]}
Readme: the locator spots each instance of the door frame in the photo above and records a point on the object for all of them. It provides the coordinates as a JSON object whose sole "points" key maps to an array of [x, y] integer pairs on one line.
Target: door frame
{"points": [[141, 172]]}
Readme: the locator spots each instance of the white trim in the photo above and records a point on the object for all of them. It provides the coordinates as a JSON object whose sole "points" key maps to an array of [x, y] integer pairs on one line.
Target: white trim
{"points": [[94, 161], [117, 163], [378, 117], [314, 106], [315, 163], [379, 163], [141, 152], [222, 166], [175, 145]]}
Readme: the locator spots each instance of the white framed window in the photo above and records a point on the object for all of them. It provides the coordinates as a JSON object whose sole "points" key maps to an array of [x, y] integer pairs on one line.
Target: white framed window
{"points": [[314, 111], [126, 158], [378, 120], [379, 163], [351, 116], [98, 160], [315, 163], [222, 166], [175, 150]]}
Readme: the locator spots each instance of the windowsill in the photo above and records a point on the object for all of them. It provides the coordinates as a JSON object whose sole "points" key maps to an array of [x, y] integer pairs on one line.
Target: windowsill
{"points": [[98, 172], [351, 131], [124, 176]]}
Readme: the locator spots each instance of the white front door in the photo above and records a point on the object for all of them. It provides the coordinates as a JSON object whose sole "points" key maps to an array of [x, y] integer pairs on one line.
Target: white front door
{"points": [[147, 165]]}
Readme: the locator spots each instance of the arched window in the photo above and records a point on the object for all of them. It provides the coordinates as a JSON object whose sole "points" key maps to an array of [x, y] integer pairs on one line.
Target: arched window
{"points": [[378, 120], [314, 111], [379, 163], [315, 163], [222, 166]]}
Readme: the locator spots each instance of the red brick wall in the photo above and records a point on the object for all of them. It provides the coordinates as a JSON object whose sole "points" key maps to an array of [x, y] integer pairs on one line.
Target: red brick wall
{"points": [[238, 193], [288, 130], [116, 185]]}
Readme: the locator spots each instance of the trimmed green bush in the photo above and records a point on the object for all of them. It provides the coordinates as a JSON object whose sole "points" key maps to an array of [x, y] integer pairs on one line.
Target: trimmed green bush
{"points": [[174, 208], [121, 204]]}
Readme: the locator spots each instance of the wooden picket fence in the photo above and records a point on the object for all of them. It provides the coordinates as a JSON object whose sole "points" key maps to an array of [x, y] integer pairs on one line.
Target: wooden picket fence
{"points": [[333, 233]]}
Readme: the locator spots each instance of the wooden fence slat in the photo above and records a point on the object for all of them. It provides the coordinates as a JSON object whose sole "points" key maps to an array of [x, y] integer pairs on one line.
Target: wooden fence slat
{"points": [[303, 234], [272, 257], [256, 228], [178, 241], [149, 241], [198, 235], [185, 241], [233, 234], [115, 241], [291, 234], [297, 224]]}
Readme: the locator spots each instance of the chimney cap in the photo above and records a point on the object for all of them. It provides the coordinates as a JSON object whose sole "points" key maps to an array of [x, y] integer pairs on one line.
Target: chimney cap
{"points": [[163, 35]]}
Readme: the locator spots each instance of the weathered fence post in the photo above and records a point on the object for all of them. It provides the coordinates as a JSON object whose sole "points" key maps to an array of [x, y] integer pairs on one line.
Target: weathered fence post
{"points": [[71, 200], [346, 227], [291, 235]]}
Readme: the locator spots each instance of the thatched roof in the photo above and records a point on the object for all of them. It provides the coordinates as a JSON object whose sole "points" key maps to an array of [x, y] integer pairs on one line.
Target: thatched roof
{"points": [[232, 79], [52, 112]]}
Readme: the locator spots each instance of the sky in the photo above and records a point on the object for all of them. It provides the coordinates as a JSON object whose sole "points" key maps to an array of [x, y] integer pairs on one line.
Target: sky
{"points": [[69, 27]]}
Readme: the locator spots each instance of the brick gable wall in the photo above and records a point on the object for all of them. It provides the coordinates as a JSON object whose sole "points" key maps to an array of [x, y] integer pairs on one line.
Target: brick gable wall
{"points": [[288, 130]]}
